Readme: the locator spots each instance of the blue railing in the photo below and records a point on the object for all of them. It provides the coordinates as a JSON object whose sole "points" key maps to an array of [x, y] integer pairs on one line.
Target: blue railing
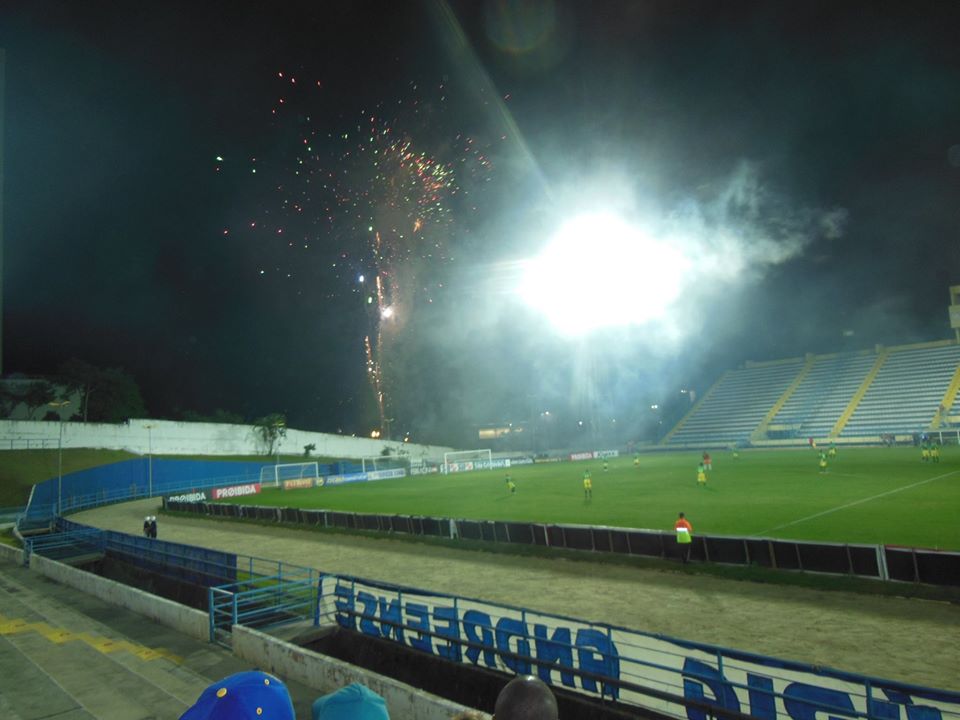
{"points": [[253, 591], [263, 602], [86, 541]]}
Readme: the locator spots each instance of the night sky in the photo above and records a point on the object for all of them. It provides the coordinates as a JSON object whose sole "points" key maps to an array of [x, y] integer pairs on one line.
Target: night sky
{"points": [[194, 190]]}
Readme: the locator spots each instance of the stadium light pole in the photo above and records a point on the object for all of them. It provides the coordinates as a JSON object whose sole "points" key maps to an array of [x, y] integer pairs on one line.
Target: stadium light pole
{"points": [[59, 406], [277, 426], [149, 460]]}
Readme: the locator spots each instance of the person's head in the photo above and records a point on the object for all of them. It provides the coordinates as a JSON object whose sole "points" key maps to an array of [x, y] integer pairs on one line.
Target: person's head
{"points": [[526, 698], [681, 516], [251, 695], [353, 702]]}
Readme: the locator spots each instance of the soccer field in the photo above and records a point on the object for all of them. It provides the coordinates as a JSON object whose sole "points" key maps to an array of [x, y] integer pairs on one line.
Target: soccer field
{"points": [[867, 495]]}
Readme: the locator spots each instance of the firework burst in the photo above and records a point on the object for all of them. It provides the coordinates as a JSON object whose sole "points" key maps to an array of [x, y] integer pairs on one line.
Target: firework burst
{"points": [[371, 203]]}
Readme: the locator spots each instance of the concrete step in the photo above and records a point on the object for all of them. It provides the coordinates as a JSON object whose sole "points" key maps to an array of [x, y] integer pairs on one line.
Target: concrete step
{"points": [[27, 692], [59, 632], [95, 682], [69, 655]]}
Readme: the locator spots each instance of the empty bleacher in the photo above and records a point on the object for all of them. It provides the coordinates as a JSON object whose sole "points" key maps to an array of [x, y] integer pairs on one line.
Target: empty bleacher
{"points": [[851, 396], [908, 390], [737, 404], [813, 408]]}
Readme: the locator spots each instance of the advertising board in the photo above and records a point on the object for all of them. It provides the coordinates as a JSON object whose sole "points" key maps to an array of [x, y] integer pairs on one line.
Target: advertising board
{"points": [[617, 663], [235, 491]]}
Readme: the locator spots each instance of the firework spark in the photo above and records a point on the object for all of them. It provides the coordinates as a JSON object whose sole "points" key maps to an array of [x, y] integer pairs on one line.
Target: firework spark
{"points": [[374, 201]]}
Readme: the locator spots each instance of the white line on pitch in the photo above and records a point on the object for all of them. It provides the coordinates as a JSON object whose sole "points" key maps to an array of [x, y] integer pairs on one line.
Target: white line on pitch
{"points": [[856, 502]]}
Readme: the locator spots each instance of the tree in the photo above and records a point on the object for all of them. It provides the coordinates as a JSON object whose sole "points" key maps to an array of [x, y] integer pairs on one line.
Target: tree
{"points": [[8, 401], [107, 395], [37, 395], [117, 398], [80, 377], [271, 428]]}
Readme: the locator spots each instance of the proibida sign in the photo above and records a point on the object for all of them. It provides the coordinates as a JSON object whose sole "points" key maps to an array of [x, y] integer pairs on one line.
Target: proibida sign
{"points": [[236, 491]]}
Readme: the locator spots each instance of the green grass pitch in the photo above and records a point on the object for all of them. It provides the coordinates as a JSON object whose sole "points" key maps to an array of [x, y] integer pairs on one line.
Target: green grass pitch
{"points": [[867, 495]]}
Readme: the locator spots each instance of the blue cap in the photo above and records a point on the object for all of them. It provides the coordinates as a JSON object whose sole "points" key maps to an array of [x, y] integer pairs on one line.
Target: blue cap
{"points": [[251, 695], [353, 702]]}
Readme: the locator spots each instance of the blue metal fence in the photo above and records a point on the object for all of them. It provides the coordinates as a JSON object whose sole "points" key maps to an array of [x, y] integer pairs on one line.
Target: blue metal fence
{"points": [[82, 541], [264, 602]]}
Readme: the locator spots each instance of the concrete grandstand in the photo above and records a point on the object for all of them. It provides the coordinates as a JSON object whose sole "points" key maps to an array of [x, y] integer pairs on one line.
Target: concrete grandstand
{"points": [[857, 397]]}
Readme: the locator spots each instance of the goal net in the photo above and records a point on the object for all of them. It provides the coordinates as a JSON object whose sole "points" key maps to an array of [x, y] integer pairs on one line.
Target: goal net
{"points": [[382, 462], [274, 475], [465, 460]]}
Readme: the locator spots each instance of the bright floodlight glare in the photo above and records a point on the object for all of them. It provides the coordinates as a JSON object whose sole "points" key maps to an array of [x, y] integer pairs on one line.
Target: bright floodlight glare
{"points": [[387, 312], [599, 271]]}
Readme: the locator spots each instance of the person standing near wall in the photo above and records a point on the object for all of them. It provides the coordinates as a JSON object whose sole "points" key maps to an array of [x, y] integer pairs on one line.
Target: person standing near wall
{"points": [[684, 531]]}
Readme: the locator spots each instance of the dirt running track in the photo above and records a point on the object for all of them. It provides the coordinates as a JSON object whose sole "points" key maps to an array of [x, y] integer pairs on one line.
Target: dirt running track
{"points": [[914, 641]]}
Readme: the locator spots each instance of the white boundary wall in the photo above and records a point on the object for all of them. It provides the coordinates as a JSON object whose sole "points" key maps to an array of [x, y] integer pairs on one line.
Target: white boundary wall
{"points": [[165, 437]]}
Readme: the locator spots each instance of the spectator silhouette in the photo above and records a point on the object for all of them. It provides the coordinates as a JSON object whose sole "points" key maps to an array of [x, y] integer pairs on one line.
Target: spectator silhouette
{"points": [[526, 698]]}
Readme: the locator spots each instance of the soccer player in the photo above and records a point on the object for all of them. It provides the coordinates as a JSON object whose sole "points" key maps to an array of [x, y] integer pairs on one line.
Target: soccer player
{"points": [[684, 531], [924, 452], [511, 485], [823, 462], [587, 485], [605, 465], [832, 452], [707, 461], [701, 476], [636, 460], [935, 452]]}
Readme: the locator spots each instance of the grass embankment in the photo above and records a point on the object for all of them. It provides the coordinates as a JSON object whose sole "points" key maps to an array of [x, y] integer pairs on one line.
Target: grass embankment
{"points": [[21, 469]]}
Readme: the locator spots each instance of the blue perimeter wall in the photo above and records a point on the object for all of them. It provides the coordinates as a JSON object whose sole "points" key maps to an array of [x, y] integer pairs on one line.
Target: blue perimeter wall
{"points": [[132, 477]]}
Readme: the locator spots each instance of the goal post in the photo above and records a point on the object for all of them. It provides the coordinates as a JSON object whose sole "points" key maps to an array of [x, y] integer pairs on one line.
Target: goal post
{"points": [[462, 460], [274, 475], [382, 462]]}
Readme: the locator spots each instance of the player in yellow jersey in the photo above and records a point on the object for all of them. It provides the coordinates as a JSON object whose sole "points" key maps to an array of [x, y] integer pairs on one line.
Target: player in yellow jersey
{"points": [[587, 486]]}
